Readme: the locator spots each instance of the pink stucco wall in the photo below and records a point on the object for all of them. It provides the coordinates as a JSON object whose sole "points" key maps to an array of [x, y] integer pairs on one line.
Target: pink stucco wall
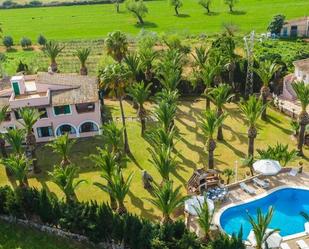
{"points": [[74, 119]]}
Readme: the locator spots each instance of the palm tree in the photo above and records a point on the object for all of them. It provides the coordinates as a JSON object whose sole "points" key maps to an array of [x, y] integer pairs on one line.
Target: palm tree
{"points": [[3, 113], [165, 113], [140, 93], [230, 58], [132, 62], [29, 117], [118, 189], [116, 45], [220, 96], [52, 50], [207, 75], [147, 56], [18, 165], [159, 138], [170, 69], [112, 135], [260, 226], [228, 173], [252, 110], [15, 137], [302, 92], [266, 71], [82, 55], [205, 219], [210, 124], [163, 161], [107, 162], [115, 78], [62, 145], [166, 199], [200, 56], [64, 178]]}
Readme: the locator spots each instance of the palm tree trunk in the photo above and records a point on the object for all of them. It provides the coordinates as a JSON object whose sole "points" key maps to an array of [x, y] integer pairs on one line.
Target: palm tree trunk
{"points": [[166, 219], [303, 121], [113, 203], [251, 136], [211, 148], [125, 134], [4, 155], [220, 132], [142, 114], [54, 66], [31, 149], [83, 70], [264, 95], [2, 148], [121, 208]]}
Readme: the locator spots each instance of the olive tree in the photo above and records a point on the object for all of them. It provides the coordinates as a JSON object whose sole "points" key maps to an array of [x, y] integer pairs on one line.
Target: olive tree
{"points": [[176, 4], [231, 4], [138, 9]]}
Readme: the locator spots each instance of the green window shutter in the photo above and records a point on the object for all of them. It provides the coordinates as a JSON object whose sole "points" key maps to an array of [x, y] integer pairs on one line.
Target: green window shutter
{"points": [[56, 110], [67, 109], [16, 88]]}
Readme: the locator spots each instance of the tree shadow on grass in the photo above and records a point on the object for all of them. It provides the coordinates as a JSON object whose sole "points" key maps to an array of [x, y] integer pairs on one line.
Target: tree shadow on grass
{"points": [[139, 203], [146, 25], [238, 12], [183, 15], [275, 122], [212, 13], [133, 159]]}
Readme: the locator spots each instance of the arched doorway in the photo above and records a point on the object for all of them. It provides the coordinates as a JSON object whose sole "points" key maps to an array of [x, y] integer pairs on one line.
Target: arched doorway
{"points": [[88, 126], [65, 128]]}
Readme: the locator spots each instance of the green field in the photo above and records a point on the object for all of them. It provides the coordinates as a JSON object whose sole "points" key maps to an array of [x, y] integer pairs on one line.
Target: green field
{"points": [[95, 21]]}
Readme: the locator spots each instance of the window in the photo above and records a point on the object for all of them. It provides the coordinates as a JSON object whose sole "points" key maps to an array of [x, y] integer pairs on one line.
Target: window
{"points": [[62, 110], [17, 114], [66, 128], [85, 107], [43, 112], [46, 131], [88, 127], [16, 88]]}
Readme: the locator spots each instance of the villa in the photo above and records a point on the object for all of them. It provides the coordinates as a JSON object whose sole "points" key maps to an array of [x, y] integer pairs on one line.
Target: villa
{"points": [[301, 73], [296, 28], [68, 103]]}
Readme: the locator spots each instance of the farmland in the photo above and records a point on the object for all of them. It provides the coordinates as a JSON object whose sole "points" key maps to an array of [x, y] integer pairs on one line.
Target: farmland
{"points": [[95, 21]]}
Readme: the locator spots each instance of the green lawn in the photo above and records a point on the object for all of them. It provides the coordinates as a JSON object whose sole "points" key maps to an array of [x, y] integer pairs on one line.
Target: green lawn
{"points": [[95, 21], [190, 151], [18, 237]]}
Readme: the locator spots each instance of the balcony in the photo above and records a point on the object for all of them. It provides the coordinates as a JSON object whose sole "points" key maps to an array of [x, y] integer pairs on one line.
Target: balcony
{"points": [[30, 99]]}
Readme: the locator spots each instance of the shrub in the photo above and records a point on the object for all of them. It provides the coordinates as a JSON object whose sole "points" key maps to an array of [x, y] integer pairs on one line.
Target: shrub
{"points": [[25, 42], [41, 40], [8, 4], [8, 42], [96, 221], [22, 67], [276, 24], [35, 3]]}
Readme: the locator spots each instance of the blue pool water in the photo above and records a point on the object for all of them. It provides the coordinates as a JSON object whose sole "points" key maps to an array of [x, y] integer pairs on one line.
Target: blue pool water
{"points": [[287, 202]]}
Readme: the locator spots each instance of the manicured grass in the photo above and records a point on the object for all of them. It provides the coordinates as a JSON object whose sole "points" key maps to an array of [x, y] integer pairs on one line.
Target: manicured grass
{"points": [[18, 237], [95, 21], [190, 148]]}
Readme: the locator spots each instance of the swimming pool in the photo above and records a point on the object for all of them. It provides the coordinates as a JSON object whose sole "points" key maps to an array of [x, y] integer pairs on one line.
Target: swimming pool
{"points": [[288, 203]]}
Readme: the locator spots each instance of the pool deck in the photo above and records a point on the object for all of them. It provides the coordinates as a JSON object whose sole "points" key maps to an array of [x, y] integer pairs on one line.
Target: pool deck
{"points": [[238, 196]]}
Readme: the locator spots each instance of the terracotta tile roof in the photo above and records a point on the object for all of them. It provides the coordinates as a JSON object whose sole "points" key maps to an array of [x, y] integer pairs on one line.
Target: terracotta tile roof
{"points": [[81, 88], [302, 64]]}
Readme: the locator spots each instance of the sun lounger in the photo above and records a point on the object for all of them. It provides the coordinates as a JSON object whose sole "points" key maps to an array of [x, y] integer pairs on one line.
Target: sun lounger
{"points": [[285, 246], [247, 188], [260, 183], [293, 172], [302, 244], [307, 227]]}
